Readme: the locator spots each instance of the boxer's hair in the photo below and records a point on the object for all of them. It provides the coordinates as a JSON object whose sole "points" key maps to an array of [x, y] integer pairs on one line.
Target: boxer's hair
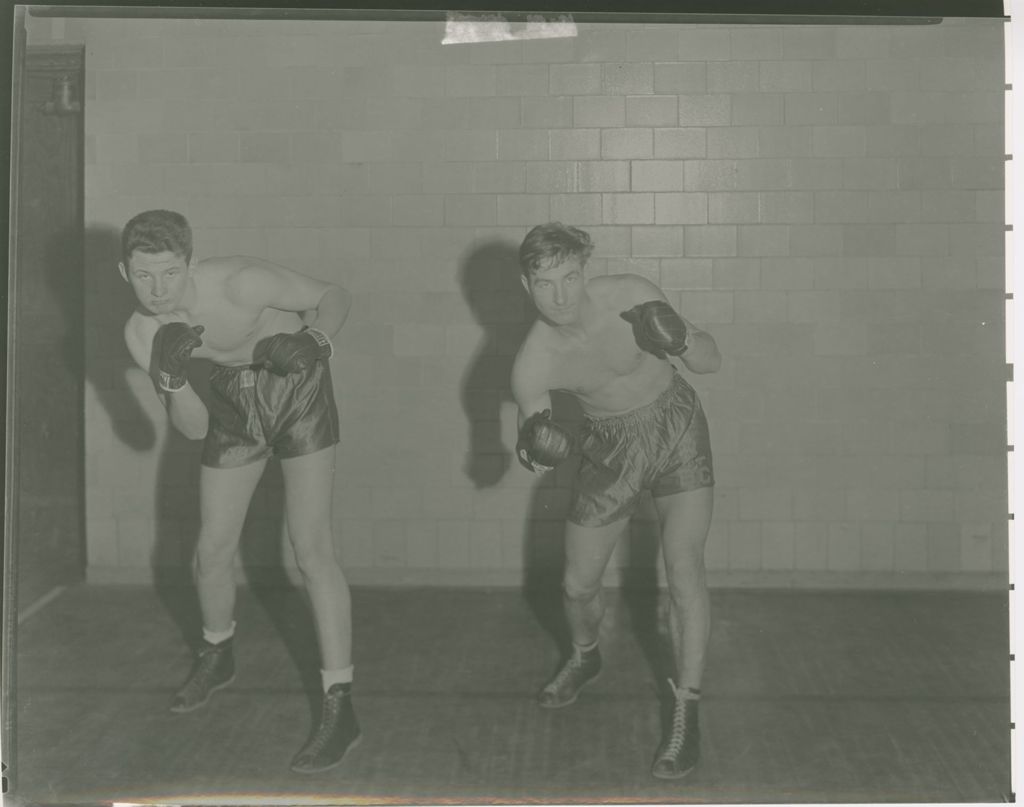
{"points": [[155, 231], [552, 244]]}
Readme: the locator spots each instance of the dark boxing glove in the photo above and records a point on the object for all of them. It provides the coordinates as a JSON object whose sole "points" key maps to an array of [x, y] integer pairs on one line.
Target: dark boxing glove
{"points": [[657, 328], [173, 344], [543, 441], [285, 353]]}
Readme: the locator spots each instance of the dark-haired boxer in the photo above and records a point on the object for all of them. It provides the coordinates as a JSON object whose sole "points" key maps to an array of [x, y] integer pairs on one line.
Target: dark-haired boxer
{"points": [[268, 332], [607, 341]]}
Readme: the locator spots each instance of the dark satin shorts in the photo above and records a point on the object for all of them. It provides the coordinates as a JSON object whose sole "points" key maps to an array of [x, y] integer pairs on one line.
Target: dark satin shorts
{"points": [[255, 413], [663, 447]]}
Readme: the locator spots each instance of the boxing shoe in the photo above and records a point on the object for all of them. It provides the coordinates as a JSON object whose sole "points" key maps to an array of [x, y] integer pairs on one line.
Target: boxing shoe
{"points": [[214, 669], [680, 747], [337, 733], [580, 669]]}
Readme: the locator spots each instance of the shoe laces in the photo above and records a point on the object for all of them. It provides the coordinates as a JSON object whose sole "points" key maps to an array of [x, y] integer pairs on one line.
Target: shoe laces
{"points": [[205, 669], [569, 669], [678, 736], [328, 719]]}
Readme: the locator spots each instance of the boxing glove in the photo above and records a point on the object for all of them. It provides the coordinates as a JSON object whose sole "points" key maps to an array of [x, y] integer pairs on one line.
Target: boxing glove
{"points": [[657, 328], [543, 441], [285, 353], [173, 344]]}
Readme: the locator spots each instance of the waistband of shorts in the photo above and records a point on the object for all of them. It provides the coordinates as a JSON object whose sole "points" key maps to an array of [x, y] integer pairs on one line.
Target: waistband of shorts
{"points": [[229, 369], [246, 374], [642, 414]]}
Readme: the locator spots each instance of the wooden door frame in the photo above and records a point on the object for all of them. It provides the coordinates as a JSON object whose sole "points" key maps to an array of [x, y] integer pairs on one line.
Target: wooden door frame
{"points": [[11, 440], [26, 60], [34, 61]]}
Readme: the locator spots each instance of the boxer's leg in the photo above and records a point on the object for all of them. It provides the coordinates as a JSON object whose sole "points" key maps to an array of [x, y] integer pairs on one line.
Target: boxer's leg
{"points": [[587, 551], [685, 521], [309, 488], [224, 496]]}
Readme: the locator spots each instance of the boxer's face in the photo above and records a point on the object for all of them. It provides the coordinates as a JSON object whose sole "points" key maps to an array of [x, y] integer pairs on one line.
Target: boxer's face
{"points": [[159, 279], [557, 291]]}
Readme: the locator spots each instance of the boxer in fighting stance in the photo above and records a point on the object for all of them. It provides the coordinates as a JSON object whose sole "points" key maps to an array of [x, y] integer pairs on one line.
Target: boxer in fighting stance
{"points": [[609, 342], [268, 332]]}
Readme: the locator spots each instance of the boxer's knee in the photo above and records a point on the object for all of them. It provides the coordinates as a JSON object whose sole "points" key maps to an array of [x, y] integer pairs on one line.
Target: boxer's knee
{"points": [[215, 555], [686, 580], [580, 590], [314, 553]]}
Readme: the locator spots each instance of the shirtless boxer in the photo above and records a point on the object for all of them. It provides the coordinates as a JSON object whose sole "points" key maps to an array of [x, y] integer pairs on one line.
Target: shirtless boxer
{"points": [[607, 341], [267, 331]]}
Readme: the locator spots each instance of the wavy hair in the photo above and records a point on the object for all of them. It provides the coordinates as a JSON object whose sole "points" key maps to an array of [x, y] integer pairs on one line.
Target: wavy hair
{"points": [[552, 244]]}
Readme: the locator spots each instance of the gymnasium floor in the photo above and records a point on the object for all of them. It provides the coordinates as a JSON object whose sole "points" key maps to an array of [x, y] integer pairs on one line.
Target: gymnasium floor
{"points": [[809, 697]]}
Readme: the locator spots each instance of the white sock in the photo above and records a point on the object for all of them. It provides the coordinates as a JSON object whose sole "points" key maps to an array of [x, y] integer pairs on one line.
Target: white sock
{"points": [[686, 693], [218, 636], [585, 648], [339, 676]]}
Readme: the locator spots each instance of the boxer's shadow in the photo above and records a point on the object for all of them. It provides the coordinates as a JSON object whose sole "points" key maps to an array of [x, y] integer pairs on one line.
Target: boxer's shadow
{"points": [[100, 318], [489, 276], [109, 301]]}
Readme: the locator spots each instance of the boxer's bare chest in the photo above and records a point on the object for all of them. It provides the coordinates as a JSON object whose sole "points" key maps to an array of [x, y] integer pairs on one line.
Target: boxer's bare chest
{"points": [[605, 370], [230, 329], [585, 365]]}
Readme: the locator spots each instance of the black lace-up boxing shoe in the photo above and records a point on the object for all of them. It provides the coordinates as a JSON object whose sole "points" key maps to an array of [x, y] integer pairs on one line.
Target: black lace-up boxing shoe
{"points": [[680, 747], [581, 668], [337, 733], [214, 669]]}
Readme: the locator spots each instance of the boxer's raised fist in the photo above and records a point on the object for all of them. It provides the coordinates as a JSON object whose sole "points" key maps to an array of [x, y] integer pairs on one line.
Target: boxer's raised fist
{"points": [[657, 328], [173, 344], [285, 353]]}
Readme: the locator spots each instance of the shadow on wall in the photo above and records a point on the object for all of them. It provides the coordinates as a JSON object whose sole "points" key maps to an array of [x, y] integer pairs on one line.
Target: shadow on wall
{"points": [[176, 499], [106, 370], [489, 276], [491, 285]]}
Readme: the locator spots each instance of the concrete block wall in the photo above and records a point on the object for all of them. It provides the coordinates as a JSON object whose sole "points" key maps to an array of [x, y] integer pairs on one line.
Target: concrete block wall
{"points": [[826, 200]]}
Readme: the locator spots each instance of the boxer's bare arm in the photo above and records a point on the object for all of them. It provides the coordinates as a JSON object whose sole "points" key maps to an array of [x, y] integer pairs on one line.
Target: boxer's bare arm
{"points": [[701, 354], [530, 388], [185, 408], [261, 284]]}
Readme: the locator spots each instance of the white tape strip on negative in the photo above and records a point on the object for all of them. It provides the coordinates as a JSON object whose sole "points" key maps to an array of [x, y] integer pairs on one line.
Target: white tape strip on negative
{"points": [[463, 28]]}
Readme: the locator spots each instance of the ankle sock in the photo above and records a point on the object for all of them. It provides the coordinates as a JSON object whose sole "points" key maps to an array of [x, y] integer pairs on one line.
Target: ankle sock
{"points": [[218, 636], [342, 675], [585, 648]]}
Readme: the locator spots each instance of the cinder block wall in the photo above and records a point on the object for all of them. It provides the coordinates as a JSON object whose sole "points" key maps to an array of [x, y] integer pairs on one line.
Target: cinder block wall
{"points": [[827, 201]]}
